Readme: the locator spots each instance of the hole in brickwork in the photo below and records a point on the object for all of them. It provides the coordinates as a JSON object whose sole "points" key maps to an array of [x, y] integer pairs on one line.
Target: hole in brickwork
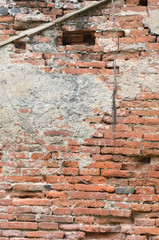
{"points": [[78, 37], [20, 45], [47, 187], [145, 160], [143, 2]]}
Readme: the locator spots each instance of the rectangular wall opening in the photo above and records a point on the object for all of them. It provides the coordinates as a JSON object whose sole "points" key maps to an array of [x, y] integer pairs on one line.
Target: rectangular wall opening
{"points": [[78, 38]]}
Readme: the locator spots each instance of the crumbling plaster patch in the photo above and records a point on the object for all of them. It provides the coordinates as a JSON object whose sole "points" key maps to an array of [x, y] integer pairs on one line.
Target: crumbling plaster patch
{"points": [[153, 21], [52, 95], [137, 75]]}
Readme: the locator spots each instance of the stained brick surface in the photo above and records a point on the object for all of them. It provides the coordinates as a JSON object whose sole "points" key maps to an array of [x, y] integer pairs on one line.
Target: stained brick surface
{"points": [[105, 183]]}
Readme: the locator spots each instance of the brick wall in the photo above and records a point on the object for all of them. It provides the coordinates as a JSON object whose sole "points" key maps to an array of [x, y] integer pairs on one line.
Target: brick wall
{"points": [[64, 172]]}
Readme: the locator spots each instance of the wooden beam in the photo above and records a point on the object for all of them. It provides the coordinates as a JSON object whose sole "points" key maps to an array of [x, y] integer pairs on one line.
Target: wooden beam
{"points": [[45, 26]]}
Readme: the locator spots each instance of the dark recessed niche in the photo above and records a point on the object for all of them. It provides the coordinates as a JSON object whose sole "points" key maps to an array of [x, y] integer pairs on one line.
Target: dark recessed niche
{"points": [[20, 45], [143, 2], [78, 38], [145, 160]]}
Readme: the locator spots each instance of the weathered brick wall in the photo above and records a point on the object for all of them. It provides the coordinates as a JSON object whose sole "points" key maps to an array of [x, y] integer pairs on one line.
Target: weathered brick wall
{"points": [[61, 86]]}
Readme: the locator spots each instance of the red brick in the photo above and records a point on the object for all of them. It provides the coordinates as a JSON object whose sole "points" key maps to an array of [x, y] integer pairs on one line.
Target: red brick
{"points": [[145, 222], [58, 219], [123, 151], [18, 225], [104, 158], [127, 40], [31, 172], [146, 39], [90, 149], [5, 19], [115, 173], [72, 142], [102, 142], [28, 187], [123, 128], [145, 190], [68, 227], [6, 202], [145, 112], [157, 222], [32, 202], [106, 165], [55, 194], [86, 195], [89, 203], [94, 64], [93, 188], [24, 179], [151, 145], [147, 230], [152, 46], [146, 182], [48, 226], [86, 228], [90, 171], [44, 39], [139, 32], [79, 71], [131, 25], [7, 216], [116, 197], [62, 211], [141, 207], [153, 174], [140, 198], [62, 186], [106, 71], [123, 205], [151, 137], [84, 219], [55, 179], [62, 202], [11, 233], [75, 235], [140, 104], [17, 155], [44, 234], [131, 144], [2, 194], [26, 217], [91, 211], [146, 129], [120, 213], [155, 207]]}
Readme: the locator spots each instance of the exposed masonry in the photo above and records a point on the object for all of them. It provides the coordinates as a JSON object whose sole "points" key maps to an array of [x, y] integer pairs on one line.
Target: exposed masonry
{"points": [[65, 93]]}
